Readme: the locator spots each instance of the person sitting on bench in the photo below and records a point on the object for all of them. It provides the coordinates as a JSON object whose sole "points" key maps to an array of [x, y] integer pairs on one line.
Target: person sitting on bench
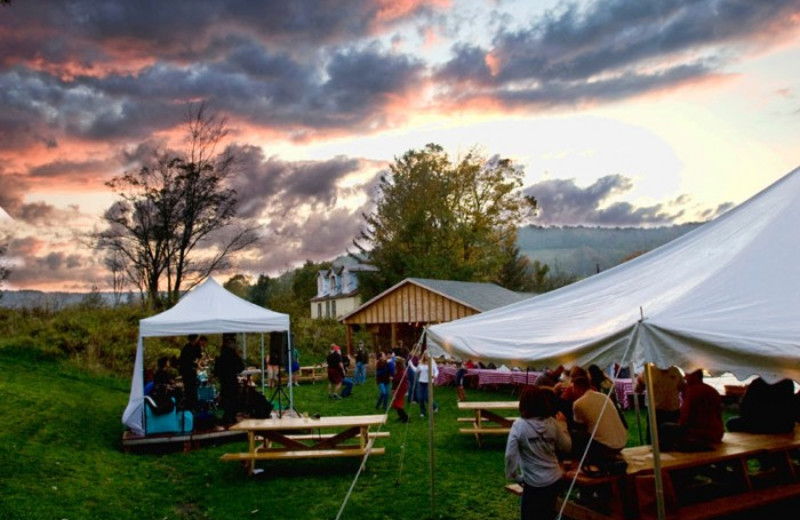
{"points": [[595, 413], [700, 425], [766, 408]]}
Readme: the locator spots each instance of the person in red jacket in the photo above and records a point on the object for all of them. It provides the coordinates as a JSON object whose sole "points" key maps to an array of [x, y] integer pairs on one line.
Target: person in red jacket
{"points": [[400, 387], [700, 424]]}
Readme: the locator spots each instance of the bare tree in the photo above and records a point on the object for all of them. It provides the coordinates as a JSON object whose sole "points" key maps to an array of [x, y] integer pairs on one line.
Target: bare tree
{"points": [[175, 219], [4, 270], [115, 263]]}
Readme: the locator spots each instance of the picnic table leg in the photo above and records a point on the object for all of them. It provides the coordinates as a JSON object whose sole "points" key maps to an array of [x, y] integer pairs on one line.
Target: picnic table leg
{"points": [[251, 438], [478, 427]]}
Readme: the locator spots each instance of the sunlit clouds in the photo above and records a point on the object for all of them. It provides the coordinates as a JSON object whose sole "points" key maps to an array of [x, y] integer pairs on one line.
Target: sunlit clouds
{"points": [[622, 112]]}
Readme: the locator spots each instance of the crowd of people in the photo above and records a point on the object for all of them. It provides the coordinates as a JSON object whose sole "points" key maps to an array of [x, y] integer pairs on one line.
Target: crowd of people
{"points": [[400, 375], [572, 415], [184, 381]]}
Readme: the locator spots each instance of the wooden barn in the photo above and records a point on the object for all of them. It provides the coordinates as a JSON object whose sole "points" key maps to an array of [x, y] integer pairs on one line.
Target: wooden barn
{"points": [[402, 311]]}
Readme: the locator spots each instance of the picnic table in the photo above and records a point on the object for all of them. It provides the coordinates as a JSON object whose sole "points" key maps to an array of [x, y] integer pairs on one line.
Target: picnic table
{"points": [[311, 373], [479, 377], [486, 419], [303, 437]]}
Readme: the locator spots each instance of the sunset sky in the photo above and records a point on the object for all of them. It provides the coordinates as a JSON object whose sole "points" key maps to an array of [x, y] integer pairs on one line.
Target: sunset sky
{"points": [[621, 112]]}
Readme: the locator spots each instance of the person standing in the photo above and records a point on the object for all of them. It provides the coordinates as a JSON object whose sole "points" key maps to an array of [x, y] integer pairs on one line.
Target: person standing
{"points": [[532, 449], [400, 386], [411, 375], [361, 364], [187, 367], [335, 371], [425, 378], [227, 368], [461, 373], [383, 376]]}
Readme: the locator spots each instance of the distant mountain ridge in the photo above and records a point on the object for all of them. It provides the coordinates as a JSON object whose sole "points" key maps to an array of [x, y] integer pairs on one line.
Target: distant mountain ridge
{"points": [[580, 251], [585, 250]]}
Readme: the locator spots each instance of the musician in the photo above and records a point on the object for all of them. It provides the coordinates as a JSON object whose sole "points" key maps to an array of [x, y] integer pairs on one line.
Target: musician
{"points": [[227, 367], [191, 353]]}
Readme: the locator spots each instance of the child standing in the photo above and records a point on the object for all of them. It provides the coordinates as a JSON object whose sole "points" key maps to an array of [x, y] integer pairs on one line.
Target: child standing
{"points": [[400, 386], [531, 452], [383, 377]]}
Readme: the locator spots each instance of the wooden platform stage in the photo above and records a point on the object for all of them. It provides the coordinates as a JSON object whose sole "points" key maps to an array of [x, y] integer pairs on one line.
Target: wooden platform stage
{"points": [[190, 441]]}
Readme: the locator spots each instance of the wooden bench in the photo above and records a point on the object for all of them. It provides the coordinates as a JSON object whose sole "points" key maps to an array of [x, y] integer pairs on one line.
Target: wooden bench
{"points": [[318, 436], [276, 454], [485, 419], [592, 498], [310, 373]]}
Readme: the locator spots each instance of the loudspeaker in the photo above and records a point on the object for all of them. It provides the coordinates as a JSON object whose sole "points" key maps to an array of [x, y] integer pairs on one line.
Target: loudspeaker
{"points": [[277, 348]]}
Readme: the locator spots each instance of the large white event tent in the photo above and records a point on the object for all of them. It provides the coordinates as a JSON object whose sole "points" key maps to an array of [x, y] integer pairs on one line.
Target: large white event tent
{"points": [[724, 297], [208, 309]]}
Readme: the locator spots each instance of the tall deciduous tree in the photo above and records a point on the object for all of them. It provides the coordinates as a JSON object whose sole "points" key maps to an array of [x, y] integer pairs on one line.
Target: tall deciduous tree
{"points": [[439, 219], [175, 219]]}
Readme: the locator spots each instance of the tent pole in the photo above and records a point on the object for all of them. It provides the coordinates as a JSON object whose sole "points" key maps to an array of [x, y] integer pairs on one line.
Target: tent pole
{"points": [[430, 425], [651, 405], [263, 383], [288, 360], [636, 405]]}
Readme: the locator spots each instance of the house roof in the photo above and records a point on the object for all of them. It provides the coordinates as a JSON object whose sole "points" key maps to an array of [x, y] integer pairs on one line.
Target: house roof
{"points": [[403, 302], [480, 296], [337, 296]]}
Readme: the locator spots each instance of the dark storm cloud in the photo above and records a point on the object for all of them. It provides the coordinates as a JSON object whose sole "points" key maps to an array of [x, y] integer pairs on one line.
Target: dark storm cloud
{"points": [[300, 203], [561, 202], [12, 192], [361, 80], [276, 187], [64, 168], [611, 49], [177, 30], [355, 88], [36, 213]]}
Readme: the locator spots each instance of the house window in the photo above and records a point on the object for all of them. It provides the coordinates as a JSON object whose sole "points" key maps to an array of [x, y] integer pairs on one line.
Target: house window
{"points": [[328, 309], [333, 308], [319, 310]]}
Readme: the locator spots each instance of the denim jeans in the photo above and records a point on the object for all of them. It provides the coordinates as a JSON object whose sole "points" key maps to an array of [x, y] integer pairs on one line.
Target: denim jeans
{"points": [[361, 373]]}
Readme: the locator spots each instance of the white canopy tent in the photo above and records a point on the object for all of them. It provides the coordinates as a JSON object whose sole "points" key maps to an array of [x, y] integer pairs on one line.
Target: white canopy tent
{"points": [[208, 309], [724, 297]]}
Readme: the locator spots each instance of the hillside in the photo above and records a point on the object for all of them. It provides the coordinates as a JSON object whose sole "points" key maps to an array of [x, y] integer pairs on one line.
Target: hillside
{"points": [[577, 251], [584, 250]]}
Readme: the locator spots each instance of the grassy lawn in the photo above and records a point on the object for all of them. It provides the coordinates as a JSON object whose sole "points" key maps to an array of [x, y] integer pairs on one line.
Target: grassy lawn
{"points": [[60, 444], [60, 441]]}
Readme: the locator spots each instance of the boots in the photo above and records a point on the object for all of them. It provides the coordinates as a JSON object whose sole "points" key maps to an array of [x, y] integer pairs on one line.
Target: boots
{"points": [[462, 396], [402, 415]]}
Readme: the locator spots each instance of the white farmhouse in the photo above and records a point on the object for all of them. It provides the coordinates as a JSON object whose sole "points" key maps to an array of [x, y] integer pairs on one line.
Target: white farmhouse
{"points": [[337, 291]]}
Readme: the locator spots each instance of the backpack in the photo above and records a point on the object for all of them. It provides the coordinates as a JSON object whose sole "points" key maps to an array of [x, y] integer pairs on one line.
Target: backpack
{"points": [[160, 404], [261, 408]]}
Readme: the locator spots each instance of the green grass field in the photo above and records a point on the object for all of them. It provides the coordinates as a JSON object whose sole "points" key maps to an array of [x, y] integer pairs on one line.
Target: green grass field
{"points": [[60, 445]]}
